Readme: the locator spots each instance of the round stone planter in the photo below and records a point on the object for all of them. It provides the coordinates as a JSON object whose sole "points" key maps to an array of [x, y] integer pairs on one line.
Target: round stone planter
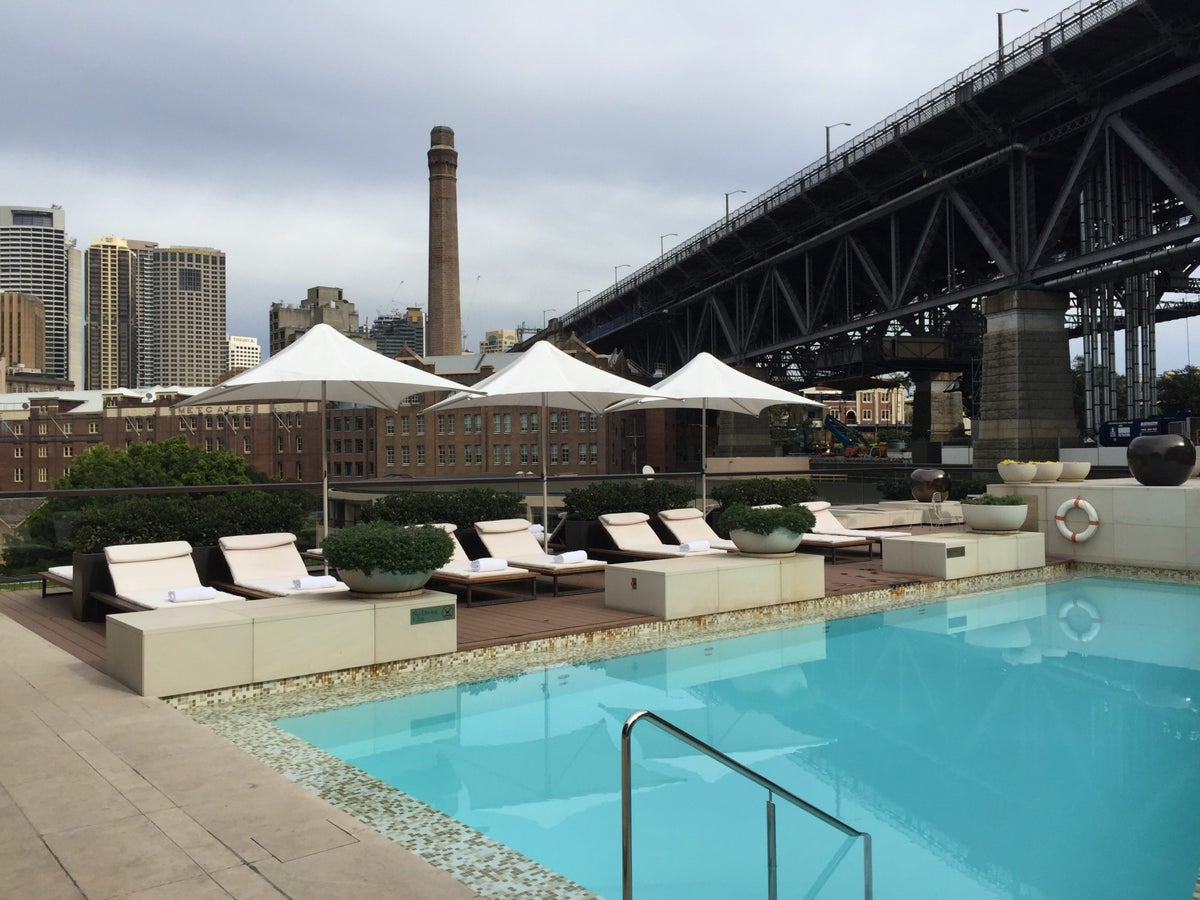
{"points": [[778, 541], [1161, 460], [1075, 471], [1016, 473], [383, 582], [979, 517], [1047, 472], [927, 482]]}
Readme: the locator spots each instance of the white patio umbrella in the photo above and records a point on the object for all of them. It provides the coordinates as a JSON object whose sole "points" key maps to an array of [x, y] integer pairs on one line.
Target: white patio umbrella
{"points": [[707, 383], [324, 365], [545, 376]]}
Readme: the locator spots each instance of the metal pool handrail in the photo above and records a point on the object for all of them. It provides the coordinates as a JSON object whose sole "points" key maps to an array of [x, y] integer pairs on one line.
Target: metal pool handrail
{"points": [[771, 787]]}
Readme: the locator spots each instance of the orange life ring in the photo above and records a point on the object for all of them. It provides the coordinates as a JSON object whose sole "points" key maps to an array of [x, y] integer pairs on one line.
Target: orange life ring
{"points": [[1060, 519]]}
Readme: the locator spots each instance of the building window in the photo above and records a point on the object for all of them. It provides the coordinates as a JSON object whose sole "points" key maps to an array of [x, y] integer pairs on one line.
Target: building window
{"points": [[867, 415], [337, 468], [583, 419], [508, 423], [405, 455], [358, 445], [450, 423], [246, 422], [208, 444], [279, 444], [41, 474], [66, 427], [94, 427], [467, 424], [404, 425], [495, 423], [553, 422], [420, 454], [479, 423], [479, 454], [866, 397], [41, 427], [885, 415], [553, 447], [245, 445], [299, 442], [337, 446], [566, 453], [534, 453], [524, 423], [18, 452], [421, 424], [18, 474], [495, 454], [508, 454], [337, 423], [583, 453], [533, 422], [451, 456], [441, 424], [68, 451], [595, 453], [441, 454], [524, 454], [389, 425], [279, 470], [42, 452], [208, 421], [18, 429]]}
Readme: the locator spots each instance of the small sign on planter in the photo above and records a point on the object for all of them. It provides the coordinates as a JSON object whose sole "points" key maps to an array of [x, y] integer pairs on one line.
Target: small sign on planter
{"points": [[423, 615]]}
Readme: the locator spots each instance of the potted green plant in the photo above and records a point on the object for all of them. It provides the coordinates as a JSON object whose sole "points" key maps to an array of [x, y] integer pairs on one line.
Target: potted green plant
{"points": [[382, 557], [769, 529], [994, 512]]}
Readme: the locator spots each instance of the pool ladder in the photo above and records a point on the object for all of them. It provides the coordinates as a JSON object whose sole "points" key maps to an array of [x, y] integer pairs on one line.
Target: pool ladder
{"points": [[769, 786]]}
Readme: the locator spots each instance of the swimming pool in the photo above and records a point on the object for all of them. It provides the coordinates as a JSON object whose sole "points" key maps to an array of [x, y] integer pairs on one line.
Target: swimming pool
{"points": [[1037, 742]]}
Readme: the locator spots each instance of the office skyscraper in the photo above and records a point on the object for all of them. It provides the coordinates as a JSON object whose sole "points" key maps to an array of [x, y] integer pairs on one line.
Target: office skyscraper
{"points": [[118, 282], [395, 331], [37, 257], [186, 328], [445, 314]]}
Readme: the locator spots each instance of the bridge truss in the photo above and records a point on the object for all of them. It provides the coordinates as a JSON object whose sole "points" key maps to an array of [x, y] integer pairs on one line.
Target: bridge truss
{"points": [[1068, 163]]}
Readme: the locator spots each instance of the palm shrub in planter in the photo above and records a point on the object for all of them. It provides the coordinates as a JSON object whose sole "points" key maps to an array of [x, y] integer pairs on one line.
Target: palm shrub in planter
{"points": [[994, 512], [771, 530], [380, 556]]}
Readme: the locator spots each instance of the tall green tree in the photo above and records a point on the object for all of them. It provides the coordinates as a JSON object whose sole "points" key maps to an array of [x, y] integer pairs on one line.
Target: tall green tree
{"points": [[1179, 391]]}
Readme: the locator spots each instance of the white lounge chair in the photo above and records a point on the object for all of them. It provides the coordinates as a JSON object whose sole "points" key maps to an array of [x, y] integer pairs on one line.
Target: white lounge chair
{"points": [[688, 525], [511, 540], [64, 576], [632, 534], [270, 565], [158, 576], [827, 523], [460, 573]]}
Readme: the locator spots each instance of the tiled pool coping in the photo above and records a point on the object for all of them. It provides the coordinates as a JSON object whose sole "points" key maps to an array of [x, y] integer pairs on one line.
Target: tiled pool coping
{"points": [[244, 715]]}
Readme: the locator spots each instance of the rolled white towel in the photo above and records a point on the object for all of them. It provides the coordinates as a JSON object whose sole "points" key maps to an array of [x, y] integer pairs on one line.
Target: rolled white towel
{"points": [[488, 564], [312, 582], [190, 594], [694, 546], [536, 529], [571, 556]]}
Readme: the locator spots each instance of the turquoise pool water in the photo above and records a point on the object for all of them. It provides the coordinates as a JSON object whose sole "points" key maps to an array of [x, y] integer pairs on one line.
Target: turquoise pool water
{"points": [[1042, 742]]}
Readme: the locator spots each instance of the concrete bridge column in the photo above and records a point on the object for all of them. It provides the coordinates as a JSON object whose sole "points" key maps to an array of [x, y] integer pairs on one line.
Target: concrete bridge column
{"points": [[1026, 409], [739, 435], [937, 412]]}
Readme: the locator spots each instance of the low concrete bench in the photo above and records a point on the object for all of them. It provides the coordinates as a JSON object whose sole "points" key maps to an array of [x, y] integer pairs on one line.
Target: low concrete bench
{"points": [[695, 586], [163, 652], [962, 554]]}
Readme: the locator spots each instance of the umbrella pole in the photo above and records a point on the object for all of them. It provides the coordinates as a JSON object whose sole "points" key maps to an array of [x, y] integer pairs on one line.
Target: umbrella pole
{"points": [[704, 457], [324, 476], [543, 427]]}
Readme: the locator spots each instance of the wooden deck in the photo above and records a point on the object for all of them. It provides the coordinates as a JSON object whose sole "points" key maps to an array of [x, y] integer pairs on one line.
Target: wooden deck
{"points": [[478, 626]]}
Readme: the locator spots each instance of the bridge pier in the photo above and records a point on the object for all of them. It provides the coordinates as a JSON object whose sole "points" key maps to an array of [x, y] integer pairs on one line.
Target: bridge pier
{"points": [[739, 435], [1026, 407], [937, 413]]}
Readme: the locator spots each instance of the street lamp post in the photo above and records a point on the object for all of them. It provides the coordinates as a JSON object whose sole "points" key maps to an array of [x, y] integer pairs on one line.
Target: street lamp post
{"points": [[729, 194], [662, 247], [544, 311], [829, 128], [1000, 33], [617, 269], [577, 294]]}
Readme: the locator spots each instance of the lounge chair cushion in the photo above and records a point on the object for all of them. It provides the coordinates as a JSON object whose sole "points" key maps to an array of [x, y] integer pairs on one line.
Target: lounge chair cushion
{"points": [[511, 539], [631, 532], [269, 563], [145, 574], [687, 525], [827, 523]]}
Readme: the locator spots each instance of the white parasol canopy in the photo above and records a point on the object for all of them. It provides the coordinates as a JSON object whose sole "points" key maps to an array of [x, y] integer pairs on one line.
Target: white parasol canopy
{"points": [[707, 383], [545, 376], [324, 365]]}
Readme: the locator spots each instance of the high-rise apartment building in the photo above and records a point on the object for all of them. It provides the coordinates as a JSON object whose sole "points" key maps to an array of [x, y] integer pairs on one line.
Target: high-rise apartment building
{"points": [[23, 330], [37, 257], [185, 332], [323, 305], [244, 353], [395, 331], [118, 281], [499, 340]]}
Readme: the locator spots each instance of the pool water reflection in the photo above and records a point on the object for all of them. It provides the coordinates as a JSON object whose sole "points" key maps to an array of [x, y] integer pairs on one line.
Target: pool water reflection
{"points": [[1038, 742]]}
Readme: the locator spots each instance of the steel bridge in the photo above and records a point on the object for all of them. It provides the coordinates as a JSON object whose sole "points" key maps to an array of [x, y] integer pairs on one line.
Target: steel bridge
{"points": [[1068, 161]]}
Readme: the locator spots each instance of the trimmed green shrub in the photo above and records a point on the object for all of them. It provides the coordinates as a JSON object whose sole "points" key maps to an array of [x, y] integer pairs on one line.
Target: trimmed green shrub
{"points": [[645, 496], [387, 547], [463, 508], [757, 491], [995, 500], [739, 517]]}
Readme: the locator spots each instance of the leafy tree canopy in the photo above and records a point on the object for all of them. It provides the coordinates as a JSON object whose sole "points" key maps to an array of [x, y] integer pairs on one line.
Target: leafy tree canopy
{"points": [[157, 463], [1179, 391]]}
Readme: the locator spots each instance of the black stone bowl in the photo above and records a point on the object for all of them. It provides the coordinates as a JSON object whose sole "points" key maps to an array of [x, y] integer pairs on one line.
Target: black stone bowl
{"points": [[1161, 460], [927, 482]]}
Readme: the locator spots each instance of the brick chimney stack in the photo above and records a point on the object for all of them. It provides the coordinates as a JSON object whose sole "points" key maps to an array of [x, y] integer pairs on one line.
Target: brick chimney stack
{"points": [[445, 316]]}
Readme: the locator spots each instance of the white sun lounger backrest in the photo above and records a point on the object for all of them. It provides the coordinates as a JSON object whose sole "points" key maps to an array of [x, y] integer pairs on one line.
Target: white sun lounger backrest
{"points": [[460, 555], [688, 525], [255, 557], [164, 565], [508, 538], [630, 530]]}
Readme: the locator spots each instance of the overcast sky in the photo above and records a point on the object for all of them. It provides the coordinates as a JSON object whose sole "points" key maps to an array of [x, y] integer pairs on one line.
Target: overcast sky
{"points": [[293, 135]]}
